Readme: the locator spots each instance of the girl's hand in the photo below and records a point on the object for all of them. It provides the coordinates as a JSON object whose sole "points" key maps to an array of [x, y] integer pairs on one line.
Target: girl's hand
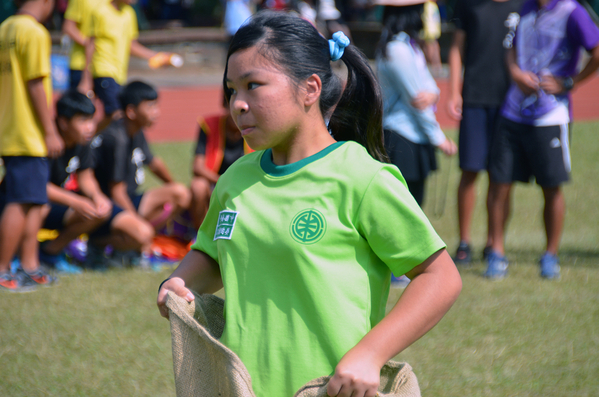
{"points": [[355, 377], [528, 82], [424, 100], [177, 285]]}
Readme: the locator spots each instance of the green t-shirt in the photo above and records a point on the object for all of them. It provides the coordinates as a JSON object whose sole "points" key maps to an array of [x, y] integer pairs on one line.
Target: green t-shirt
{"points": [[305, 252]]}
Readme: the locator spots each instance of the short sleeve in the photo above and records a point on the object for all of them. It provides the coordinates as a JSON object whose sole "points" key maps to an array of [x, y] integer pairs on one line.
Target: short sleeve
{"points": [[35, 57], [581, 29], [459, 19], [205, 239], [74, 11], [202, 140], [395, 227]]}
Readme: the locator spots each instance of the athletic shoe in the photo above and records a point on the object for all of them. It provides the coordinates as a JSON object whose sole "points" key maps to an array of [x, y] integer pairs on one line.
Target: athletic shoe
{"points": [[58, 262], [486, 252], [39, 277], [549, 266], [496, 266], [463, 256]]}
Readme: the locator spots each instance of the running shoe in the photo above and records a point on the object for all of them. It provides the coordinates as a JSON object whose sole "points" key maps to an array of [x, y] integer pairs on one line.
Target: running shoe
{"points": [[8, 282], [486, 252], [58, 262], [496, 266], [40, 277], [463, 255], [549, 266]]}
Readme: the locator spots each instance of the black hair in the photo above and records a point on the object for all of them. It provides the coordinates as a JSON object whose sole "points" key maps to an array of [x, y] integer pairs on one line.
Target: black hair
{"points": [[73, 103], [297, 47], [135, 93], [406, 19]]}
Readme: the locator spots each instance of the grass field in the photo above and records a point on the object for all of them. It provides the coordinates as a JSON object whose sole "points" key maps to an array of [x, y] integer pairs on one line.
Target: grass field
{"points": [[99, 334]]}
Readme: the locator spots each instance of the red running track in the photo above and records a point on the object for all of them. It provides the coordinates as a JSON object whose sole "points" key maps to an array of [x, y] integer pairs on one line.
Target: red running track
{"points": [[180, 108]]}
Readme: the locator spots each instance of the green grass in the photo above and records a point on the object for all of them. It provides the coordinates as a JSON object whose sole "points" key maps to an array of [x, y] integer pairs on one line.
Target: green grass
{"points": [[101, 335]]}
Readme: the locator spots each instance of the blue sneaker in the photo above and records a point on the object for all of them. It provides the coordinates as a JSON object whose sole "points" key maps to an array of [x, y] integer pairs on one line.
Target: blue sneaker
{"points": [[59, 263], [496, 266], [549, 266], [399, 282]]}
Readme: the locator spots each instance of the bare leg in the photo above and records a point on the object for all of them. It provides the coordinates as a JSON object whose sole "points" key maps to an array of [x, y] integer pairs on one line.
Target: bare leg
{"points": [[12, 227], [75, 225], [466, 203], [30, 245], [152, 204], [506, 211], [553, 215], [497, 216]]}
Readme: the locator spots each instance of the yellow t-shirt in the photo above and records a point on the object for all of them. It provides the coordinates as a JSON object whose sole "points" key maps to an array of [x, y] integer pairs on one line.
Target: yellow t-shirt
{"points": [[24, 55], [113, 30], [80, 12]]}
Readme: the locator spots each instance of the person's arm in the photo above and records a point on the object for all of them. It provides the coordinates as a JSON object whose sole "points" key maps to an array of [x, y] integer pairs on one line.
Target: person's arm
{"points": [[37, 93], [80, 204], [90, 187], [455, 56], [70, 29], [118, 193], [555, 85], [197, 271], [86, 84], [158, 168], [141, 51], [200, 170], [435, 286], [527, 81]]}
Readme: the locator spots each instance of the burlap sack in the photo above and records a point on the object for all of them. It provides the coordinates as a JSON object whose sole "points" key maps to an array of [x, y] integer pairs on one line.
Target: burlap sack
{"points": [[204, 367]]}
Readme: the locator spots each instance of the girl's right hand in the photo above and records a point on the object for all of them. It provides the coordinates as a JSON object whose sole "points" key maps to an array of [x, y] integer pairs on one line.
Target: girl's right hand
{"points": [[177, 285]]}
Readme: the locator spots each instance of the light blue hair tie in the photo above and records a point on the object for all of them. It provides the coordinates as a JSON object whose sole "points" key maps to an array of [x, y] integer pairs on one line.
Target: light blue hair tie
{"points": [[337, 45]]}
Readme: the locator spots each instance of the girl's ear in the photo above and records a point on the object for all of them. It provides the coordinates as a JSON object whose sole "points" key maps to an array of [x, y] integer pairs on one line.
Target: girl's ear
{"points": [[313, 86]]}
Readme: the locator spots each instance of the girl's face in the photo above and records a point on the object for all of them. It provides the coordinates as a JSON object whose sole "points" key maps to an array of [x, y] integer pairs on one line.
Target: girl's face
{"points": [[264, 101]]}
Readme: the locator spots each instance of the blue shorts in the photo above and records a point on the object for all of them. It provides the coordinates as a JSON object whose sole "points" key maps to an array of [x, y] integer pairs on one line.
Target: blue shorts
{"points": [[74, 78], [476, 135], [25, 180], [55, 218], [136, 200], [108, 90]]}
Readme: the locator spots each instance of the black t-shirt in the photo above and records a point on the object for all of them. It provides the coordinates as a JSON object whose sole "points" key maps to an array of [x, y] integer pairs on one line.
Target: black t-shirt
{"points": [[486, 77], [64, 168], [233, 151], [120, 158]]}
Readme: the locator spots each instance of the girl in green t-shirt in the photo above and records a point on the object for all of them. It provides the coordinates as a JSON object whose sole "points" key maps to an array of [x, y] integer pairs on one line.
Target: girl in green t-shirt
{"points": [[310, 274]]}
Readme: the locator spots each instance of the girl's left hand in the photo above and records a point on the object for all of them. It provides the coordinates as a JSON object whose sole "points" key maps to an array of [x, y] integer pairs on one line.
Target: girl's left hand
{"points": [[355, 377]]}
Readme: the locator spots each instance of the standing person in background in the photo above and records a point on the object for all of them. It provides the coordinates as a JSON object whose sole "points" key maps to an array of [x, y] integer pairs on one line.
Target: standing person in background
{"points": [[532, 136], [77, 25], [481, 26], [27, 136], [114, 36], [298, 231], [409, 92]]}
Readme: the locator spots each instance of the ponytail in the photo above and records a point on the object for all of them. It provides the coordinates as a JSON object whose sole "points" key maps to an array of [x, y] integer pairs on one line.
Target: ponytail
{"points": [[358, 115]]}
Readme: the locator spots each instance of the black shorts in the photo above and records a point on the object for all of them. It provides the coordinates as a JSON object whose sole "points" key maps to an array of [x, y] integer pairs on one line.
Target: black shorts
{"points": [[25, 180], [74, 78], [476, 135], [108, 90], [415, 161], [521, 152], [55, 218]]}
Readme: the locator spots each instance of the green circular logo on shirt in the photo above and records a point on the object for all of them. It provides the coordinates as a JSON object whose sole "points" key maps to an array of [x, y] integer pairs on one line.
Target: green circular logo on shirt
{"points": [[308, 226]]}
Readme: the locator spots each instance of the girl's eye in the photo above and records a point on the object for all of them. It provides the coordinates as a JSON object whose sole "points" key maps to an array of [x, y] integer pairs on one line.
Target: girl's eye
{"points": [[251, 86], [230, 91]]}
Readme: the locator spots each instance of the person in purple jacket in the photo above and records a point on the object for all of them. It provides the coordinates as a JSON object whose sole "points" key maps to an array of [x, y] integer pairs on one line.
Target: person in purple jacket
{"points": [[532, 135]]}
